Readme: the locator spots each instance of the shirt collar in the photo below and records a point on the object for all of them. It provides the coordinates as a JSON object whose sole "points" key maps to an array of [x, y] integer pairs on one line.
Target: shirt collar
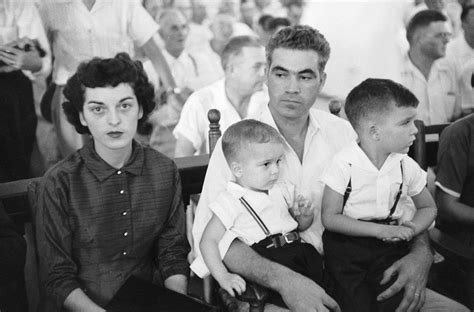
{"points": [[102, 170], [357, 157]]}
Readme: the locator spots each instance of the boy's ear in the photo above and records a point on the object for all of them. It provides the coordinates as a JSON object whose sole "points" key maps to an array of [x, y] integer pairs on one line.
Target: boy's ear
{"points": [[236, 169], [374, 131]]}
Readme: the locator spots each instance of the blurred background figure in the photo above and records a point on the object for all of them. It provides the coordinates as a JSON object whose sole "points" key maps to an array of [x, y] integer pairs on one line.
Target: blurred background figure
{"points": [[24, 56], [461, 53], [267, 25]]}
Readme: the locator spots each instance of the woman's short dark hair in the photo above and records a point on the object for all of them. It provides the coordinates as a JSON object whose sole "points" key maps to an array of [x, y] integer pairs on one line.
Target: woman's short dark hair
{"points": [[110, 72]]}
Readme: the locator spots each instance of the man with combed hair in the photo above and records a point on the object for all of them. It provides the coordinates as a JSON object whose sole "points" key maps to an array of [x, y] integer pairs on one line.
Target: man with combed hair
{"points": [[236, 96], [296, 58], [426, 74]]}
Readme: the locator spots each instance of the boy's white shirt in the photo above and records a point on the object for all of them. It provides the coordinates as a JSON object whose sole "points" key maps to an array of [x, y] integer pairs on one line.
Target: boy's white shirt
{"points": [[272, 208], [374, 191]]}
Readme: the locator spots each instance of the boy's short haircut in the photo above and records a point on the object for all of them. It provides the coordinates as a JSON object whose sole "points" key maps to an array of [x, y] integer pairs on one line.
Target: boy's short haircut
{"points": [[375, 97], [245, 132], [107, 72], [423, 19]]}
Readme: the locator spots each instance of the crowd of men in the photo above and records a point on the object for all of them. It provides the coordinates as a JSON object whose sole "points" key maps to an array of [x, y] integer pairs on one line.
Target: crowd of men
{"points": [[234, 61]]}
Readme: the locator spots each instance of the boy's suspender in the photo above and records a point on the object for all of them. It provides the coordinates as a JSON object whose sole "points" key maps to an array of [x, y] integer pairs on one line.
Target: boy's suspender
{"points": [[397, 198], [255, 216]]}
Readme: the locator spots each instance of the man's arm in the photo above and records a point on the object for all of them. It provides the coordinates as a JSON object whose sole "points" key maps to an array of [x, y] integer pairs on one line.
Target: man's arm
{"points": [[77, 301], [451, 209], [412, 275], [299, 292], [183, 147], [178, 283]]}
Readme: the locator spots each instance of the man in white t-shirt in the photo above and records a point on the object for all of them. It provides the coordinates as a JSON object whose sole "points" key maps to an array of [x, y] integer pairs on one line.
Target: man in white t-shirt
{"points": [[236, 96]]}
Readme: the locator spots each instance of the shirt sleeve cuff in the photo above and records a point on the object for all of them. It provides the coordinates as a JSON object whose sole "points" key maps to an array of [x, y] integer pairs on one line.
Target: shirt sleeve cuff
{"points": [[447, 190], [63, 291]]}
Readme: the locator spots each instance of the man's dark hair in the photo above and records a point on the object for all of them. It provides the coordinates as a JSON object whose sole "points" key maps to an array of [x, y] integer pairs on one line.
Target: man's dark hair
{"points": [[423, 19], [100, 73], [235, 46], [376, 97], [264, 21], [300, 37], [465, 10]]}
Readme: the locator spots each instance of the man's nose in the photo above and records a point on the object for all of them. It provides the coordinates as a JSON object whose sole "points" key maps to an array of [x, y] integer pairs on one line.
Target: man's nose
{"points": [[293, 85]]}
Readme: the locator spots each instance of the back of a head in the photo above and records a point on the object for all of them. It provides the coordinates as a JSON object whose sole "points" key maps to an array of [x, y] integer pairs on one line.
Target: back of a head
{"points": [[423, 19], [235, 46], [248, 131], [466, 8], [376, 97], [279, 22], [300, 37]]}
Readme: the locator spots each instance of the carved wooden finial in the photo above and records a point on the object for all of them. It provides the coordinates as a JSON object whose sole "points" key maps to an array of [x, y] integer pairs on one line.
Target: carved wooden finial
{"points": [[214, 117]]}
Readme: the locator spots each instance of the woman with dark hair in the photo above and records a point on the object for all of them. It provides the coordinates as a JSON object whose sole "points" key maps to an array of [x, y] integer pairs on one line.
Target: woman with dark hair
{"points": [[112, 209]]}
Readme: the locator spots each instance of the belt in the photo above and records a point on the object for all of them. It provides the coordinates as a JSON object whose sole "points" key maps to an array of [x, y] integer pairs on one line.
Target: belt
{"points": [[279, 240], [388, 221]]}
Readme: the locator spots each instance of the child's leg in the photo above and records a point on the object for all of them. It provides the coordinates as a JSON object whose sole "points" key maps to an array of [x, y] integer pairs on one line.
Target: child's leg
{"points": [[388, 253], [346, 263]]}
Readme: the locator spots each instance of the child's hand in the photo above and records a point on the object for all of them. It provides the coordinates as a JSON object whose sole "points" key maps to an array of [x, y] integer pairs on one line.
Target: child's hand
{"points": [[393, 233], [231, 282], [302, 207]]}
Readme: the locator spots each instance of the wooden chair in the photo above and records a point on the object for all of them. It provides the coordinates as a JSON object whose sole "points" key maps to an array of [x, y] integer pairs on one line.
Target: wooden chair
{"points": [[425, 153]]}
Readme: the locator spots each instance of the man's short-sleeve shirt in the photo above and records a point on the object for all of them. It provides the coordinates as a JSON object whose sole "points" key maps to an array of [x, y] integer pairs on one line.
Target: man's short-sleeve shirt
{"points": [[439, 95], [193, 123], [455, 168], [374, 191]]}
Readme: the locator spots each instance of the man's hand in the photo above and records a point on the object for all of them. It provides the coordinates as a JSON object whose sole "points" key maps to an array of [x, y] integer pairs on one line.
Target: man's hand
{"points": [[232, 283], [412, 275], [303, 295]]}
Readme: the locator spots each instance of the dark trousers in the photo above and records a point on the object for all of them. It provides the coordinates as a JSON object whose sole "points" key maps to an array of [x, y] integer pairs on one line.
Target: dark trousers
{"points": [[17, 126], [300, 257], [356, 266]]}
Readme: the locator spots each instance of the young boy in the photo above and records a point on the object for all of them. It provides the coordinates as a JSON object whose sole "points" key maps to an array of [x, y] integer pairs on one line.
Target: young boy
{"points": [[364, 209], [255, 207]]}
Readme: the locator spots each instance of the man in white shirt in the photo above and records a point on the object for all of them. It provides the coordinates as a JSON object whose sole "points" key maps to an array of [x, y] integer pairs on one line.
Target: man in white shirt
{"points": [[296, 58], [190, 71], [426, 74], [82, 29], [236, 96], [461, 52]]}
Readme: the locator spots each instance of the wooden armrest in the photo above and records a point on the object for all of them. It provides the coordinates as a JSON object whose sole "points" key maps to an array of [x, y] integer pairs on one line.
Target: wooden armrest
{"points": [[446, 243]]}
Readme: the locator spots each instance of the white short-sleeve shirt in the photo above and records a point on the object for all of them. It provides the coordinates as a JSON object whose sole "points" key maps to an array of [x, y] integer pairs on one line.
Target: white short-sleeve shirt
{"points": [[78, 34], [374, 191], [326, 135], [439, 96], [193, 123], [272, 209]]}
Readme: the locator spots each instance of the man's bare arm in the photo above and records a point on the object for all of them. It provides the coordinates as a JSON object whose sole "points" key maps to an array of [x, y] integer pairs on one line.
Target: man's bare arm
{"points": [[299, 292]]}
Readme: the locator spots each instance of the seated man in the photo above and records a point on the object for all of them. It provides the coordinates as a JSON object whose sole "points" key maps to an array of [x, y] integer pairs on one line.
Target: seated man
{"points": [[112, 209], [296, 58], [13, 253], [235, 96], [455, 185]]}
